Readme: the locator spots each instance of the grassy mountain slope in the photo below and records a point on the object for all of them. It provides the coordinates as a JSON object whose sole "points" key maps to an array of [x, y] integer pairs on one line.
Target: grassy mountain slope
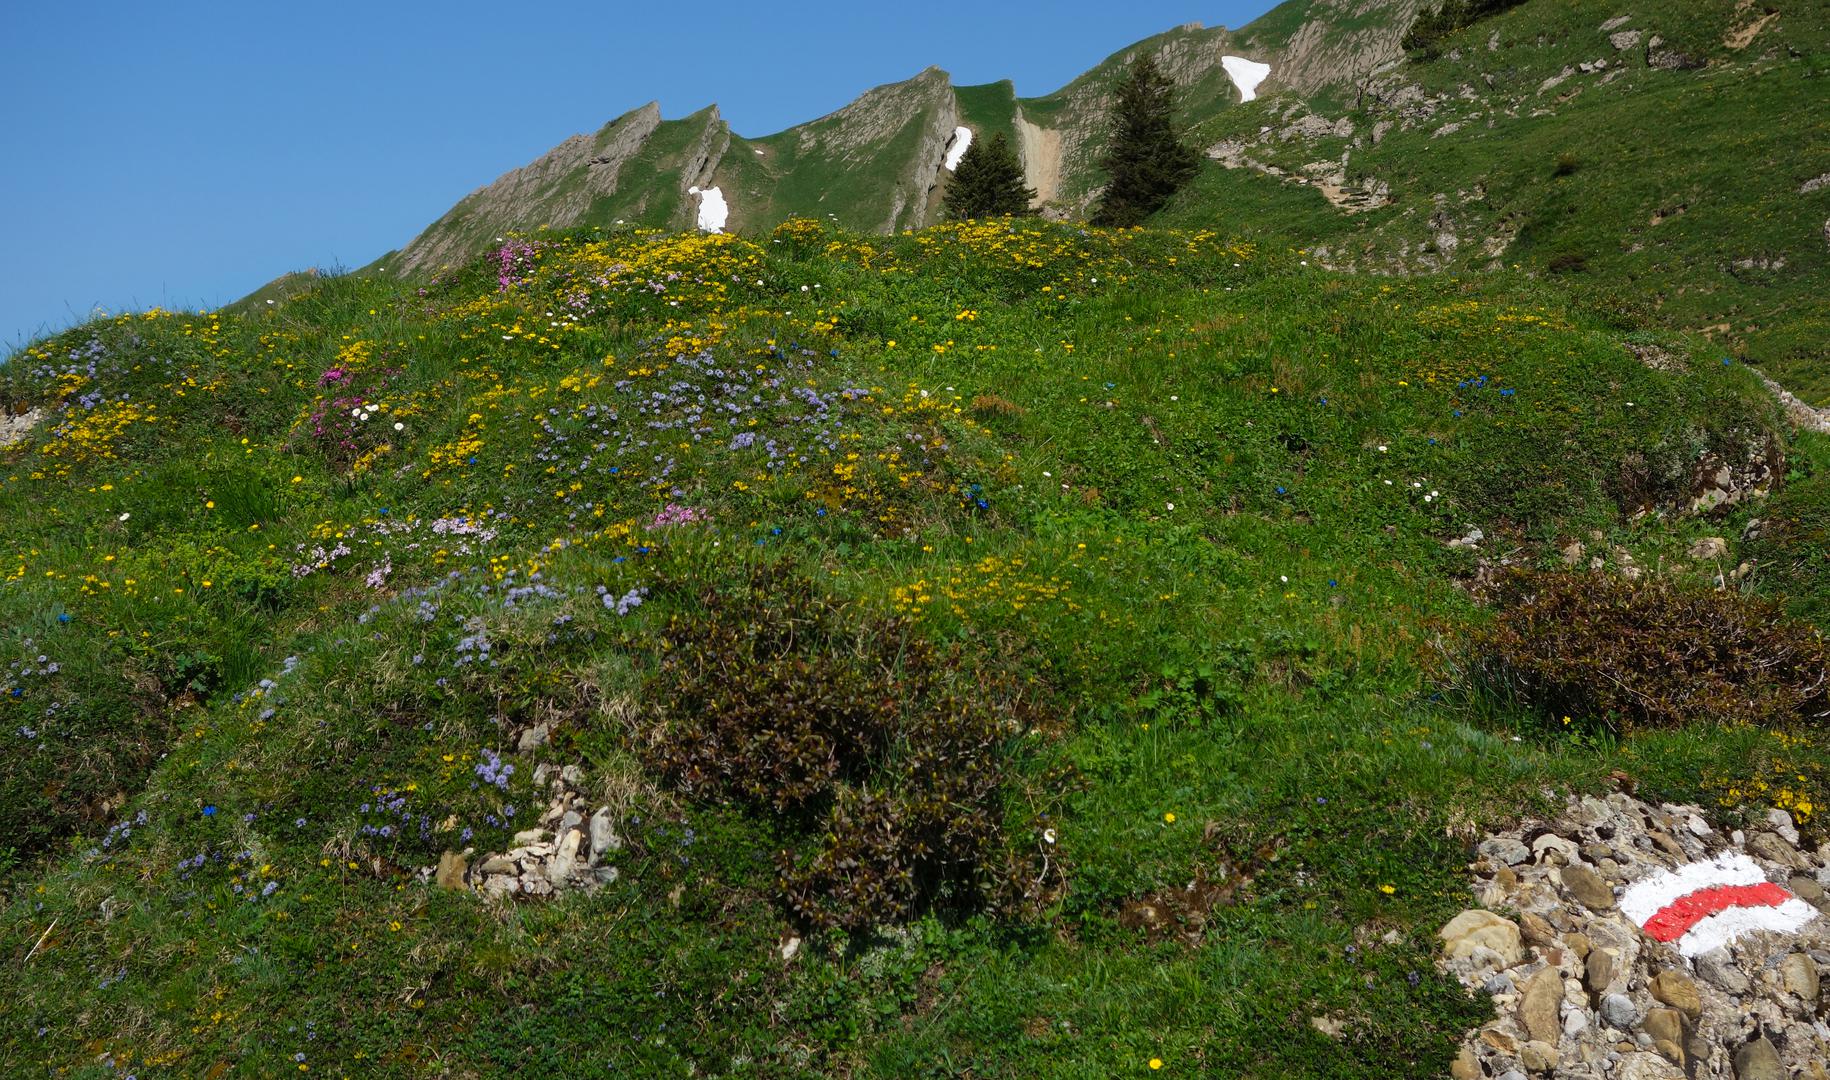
{"points": [[1672, 157], [1682, 191], [303, 604]]}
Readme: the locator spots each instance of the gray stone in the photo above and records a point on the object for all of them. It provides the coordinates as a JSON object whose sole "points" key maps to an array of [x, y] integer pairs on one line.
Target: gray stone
{"points": [[603, 835], [1504, 849], [1781, 822], [1647, 1067], [1718, 969], [565, 860], [1623, 40], [1758, 1060], [1619, 1011], [1567, 851], [1586, 885]]}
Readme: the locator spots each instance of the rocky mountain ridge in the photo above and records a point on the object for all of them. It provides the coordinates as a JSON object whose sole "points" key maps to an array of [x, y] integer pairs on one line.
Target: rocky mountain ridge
{"points": [[877, 164]]}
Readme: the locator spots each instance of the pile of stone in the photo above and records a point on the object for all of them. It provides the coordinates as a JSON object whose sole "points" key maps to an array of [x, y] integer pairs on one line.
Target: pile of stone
{"points": [[1581, 990], [565, 851]]}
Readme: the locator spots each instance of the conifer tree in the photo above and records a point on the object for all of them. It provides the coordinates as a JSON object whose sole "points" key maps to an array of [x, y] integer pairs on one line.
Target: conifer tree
{"points": [[1146, 161], [988, 182]]}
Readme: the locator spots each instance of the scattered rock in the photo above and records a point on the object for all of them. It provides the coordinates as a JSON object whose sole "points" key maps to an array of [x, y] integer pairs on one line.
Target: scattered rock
{"points": [[1539, 1056], [1585, 885], [1718, 969], [1647, 1067], [1619, 1011], [451, 868], [1475, 928], [562, 854], [1539, 1004], [1798, 974], [1504, 849], [1814, 183], [1608, 999], [1675, 989], [1624, 40], [1535, 930], [1758, 1060], [1709, 547], [15, 427], [1774, 848]]}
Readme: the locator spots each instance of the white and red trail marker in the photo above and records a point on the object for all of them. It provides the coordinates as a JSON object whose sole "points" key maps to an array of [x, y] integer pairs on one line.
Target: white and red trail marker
{"points": [[1706, 905]]}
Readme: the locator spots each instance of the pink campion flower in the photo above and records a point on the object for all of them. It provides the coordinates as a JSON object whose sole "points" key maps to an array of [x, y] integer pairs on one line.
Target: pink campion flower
{"points": [[675, 514]]}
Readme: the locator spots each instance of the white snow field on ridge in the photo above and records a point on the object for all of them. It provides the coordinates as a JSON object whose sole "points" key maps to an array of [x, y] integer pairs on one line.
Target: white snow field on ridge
{"points": [[956, 147], [1246, 75], [713, 210]]}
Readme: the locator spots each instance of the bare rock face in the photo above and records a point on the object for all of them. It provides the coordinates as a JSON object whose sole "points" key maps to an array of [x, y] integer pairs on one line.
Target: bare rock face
{"points": [[531, 195], [1586, 990]]}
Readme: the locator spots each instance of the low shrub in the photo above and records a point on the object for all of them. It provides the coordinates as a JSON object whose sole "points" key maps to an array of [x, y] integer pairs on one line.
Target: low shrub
{"points": [[1625, 655], [885, 754]]}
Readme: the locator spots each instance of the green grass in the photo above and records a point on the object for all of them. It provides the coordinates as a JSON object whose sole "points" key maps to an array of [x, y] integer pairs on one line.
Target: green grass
{"points": [[1188, 494], [1681, 196]]}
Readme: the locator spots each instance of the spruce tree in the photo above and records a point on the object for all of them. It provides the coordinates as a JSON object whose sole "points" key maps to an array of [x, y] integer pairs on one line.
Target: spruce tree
{"points": [[988, 182], [1146, 161]]}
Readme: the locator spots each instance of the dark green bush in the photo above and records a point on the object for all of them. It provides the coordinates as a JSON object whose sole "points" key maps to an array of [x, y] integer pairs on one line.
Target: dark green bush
{"points": [[885, 754], [1622, 655]]}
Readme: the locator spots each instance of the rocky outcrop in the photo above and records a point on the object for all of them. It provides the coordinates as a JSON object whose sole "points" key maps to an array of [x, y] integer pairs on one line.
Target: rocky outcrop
{"points": [[1040, 149], [1798, 414], [1582, 987], [556, 189], [1342, 41], [569, 849], [15, 426]]}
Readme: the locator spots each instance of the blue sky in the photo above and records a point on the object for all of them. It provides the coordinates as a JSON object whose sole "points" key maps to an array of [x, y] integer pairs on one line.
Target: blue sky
{"points": [[182, 154]]}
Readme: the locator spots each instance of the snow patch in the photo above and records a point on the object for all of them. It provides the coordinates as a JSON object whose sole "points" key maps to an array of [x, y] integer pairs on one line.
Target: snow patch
{"points": [[713, 210], [1246, 75], [956, 147]]}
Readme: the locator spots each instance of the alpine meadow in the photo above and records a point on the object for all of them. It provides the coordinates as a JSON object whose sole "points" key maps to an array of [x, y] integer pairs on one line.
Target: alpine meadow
{"points": [[1304, 553]]}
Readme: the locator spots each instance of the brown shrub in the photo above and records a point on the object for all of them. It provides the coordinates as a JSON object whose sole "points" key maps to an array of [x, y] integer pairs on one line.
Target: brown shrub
{"points": [[881, 750], [1622, 655]]}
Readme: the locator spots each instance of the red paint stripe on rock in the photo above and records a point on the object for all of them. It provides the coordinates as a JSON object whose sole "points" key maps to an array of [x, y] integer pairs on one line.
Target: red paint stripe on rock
{"points": [[1675, 919]]}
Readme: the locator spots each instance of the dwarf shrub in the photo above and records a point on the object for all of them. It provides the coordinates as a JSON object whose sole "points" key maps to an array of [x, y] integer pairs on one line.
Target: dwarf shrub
{"points": [[884, 753], [1626, 655]]}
